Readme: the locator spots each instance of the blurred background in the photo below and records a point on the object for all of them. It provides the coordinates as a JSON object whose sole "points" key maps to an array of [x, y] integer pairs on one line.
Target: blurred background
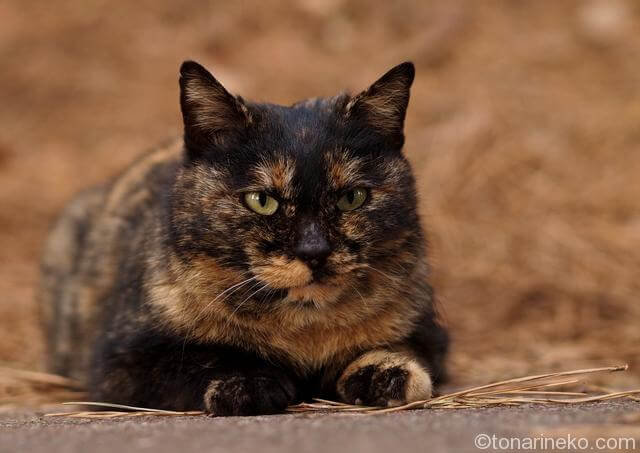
{"points": [[523, 129]]}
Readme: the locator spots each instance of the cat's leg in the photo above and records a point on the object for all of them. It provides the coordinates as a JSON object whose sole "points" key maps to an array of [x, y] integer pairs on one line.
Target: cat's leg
{"points": [[405, 373], [383, 377], [165, 373]]}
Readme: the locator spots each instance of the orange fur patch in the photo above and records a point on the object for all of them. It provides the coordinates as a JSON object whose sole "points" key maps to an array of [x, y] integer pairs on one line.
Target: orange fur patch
{"points": [[283, 273], [342, 171], [278, 174], [314, 292]]}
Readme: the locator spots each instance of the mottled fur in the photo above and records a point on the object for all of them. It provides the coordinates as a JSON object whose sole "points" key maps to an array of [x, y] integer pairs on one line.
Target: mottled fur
{"points": [[163, 289]]}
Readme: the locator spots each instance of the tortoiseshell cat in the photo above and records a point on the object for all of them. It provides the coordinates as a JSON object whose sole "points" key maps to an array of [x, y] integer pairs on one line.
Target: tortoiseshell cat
{"points": [[272, 256]]}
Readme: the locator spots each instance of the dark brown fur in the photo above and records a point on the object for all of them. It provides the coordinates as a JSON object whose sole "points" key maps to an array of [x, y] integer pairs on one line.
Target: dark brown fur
{"points": [[164, 289]]}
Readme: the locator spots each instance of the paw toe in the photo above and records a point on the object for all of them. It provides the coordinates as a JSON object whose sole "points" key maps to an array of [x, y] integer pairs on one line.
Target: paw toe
{"points": [[248, 396], [392, 381]]}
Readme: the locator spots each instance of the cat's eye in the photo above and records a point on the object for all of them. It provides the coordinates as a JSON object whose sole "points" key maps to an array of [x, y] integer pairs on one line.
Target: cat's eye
{"points": [[261, 203], [352, 199]]}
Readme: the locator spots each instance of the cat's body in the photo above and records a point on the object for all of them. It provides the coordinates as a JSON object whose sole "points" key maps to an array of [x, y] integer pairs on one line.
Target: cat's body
{"points": [[274, 255]]}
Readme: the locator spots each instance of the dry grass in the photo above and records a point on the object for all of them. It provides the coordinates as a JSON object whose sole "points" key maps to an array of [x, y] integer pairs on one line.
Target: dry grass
{"points": [[511, 392], [551, 388], [22, 387], [129, 411]]}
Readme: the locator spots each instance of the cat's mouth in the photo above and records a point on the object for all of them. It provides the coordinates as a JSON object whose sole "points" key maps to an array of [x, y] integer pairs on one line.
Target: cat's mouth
{"points": [[283, 274], [315, 291], [300, 284]]}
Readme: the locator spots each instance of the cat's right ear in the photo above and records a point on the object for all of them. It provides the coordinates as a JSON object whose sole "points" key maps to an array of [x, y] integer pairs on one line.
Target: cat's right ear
{"points": [[211, 114]]}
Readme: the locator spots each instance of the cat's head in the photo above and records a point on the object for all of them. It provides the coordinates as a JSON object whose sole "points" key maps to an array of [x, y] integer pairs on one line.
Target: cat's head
{"points": [[301, 207]]}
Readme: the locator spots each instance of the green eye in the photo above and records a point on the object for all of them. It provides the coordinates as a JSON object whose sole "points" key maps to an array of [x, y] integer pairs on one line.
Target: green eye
{"points": [[261, 203], [352, 199]]}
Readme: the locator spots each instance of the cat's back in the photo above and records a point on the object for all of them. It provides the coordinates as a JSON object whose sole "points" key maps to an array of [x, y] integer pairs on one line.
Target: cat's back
{"points": [[85, 250]]}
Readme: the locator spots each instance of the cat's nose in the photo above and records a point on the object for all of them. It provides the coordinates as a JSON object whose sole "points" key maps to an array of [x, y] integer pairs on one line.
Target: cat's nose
{"points": [[313, 247]]}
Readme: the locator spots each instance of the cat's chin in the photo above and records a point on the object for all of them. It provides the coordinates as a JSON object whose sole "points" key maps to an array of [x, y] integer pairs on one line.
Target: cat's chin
{"points": [[315, 294]]}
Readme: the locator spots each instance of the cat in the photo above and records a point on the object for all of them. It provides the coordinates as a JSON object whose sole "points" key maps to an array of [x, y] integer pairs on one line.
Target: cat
{"points": [[271, 255]]}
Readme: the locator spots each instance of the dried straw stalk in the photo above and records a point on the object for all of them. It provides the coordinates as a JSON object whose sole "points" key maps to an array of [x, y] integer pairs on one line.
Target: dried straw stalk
{"points": [[20, 387], [512, 392]]}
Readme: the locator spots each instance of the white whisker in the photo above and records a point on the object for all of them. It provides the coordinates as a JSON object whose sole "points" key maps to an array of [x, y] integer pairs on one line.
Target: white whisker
{"points": [[359, 294], [243, 302], [230, 290], [380, 272]]}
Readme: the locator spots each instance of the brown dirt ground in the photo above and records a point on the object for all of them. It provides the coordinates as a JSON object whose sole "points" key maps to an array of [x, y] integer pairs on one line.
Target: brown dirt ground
{"points": [[524, 131]]}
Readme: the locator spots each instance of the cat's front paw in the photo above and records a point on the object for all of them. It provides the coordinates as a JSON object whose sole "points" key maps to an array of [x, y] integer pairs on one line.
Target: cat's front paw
{"points": [[249, 395], [384, 378]]}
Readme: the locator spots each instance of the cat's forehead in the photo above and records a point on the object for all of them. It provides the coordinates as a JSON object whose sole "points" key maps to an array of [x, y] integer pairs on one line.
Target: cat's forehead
{"points": [[308, 149], [290, 174], [304, 119], [321, 105], [304, 146]]}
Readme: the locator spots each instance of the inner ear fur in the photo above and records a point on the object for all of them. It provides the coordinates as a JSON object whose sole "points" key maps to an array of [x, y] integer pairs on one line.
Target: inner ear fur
{"points": [[384, 104], [210, 113]]}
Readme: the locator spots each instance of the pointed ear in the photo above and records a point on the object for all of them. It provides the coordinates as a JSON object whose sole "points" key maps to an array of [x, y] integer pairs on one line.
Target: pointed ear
{"points": [[384, 104], [210, 113]]}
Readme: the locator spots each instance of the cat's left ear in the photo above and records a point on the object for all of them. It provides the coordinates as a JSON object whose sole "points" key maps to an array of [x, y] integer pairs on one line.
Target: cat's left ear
{"points": [[384, 104], [211, 114]]}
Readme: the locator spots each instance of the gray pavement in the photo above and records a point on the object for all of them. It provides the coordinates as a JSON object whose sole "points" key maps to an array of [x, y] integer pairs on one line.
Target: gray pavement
{"points": [[415, 431]]}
